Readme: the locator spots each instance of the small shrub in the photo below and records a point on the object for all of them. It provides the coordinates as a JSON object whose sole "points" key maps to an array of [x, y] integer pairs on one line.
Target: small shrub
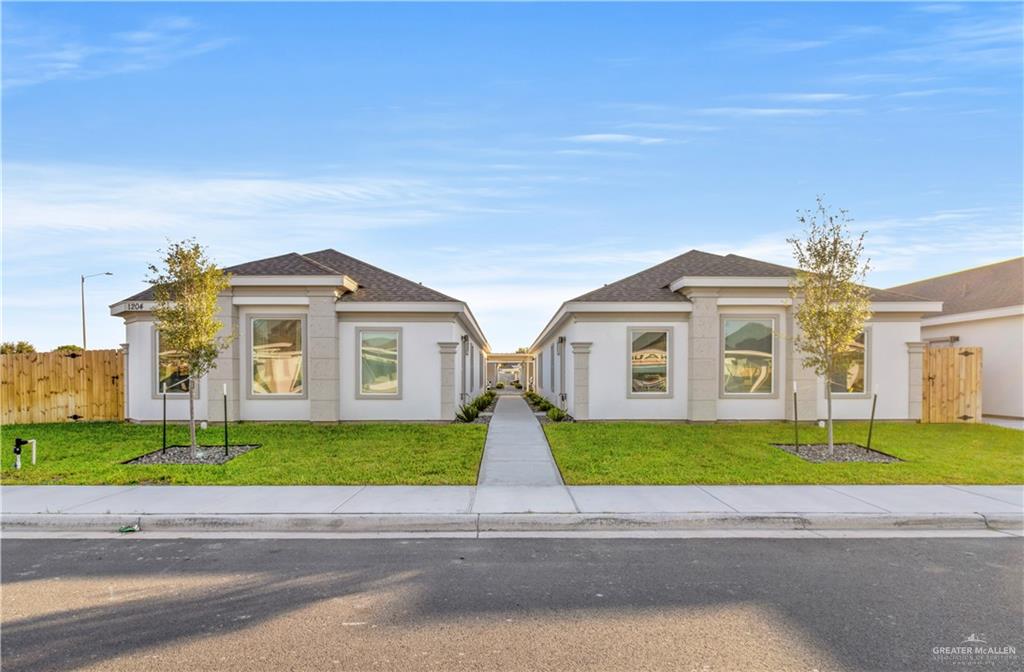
{"points": [[483, 401], [467, 413], [556, 414], [500, 386], [519, 386]]}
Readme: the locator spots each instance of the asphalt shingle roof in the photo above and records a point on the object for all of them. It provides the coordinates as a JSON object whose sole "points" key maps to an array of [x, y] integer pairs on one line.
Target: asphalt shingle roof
{"points": [[653, 283], [994, 286], [375, 284]]}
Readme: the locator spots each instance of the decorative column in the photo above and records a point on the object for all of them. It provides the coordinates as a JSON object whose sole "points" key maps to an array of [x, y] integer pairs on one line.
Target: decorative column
{"points": [[702, 395], [796, 372], [448, 350], [225, 370], [915, 386], [322, 368], [580, 380]]}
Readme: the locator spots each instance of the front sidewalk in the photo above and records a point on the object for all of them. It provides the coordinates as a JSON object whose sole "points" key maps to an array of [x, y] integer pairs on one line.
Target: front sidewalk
{"points": [[382, 509]]}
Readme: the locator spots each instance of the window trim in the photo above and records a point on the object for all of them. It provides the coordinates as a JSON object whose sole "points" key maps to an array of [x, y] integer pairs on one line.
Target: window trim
{"points": [[155, 366], [866, 394], [358, 377], [249, 393], [669, 392], [774, 318]]}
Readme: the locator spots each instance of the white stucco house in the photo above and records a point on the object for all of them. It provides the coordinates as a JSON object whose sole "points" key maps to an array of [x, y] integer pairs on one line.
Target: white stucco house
{"points": [[982, 307], [319, 337], [707, 337]]}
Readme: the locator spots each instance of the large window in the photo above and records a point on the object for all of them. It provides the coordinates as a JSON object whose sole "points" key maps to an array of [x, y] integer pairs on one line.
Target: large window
{"points": [[648, 361], [171, 370], [849, 376], [277, 356], [748, 355], [378, 362]]}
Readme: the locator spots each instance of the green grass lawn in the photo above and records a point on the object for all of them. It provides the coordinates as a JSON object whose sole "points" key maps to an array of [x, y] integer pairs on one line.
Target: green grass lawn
{"points": [[662, 453], [293, 454]]}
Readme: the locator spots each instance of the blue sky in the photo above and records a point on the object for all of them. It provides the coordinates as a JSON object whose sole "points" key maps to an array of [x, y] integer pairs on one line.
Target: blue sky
{"points": [[512, 155]]}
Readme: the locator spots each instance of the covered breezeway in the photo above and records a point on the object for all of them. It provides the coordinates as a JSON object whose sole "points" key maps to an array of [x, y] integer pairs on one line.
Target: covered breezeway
{"points": [[510, 368]]}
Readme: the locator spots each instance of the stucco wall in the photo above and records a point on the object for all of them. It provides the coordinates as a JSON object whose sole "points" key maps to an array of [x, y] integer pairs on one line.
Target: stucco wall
{"points": [[1002, 343], [609, 370], [420, 370], [142, 406], [888, 369]]}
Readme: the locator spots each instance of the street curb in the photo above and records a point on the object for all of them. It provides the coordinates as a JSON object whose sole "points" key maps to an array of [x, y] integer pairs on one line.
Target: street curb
{"points": [[517, 522]]}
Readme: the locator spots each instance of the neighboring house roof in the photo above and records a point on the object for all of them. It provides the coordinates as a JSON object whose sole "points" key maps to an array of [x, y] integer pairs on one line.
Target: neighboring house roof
{"points": [[996, 285], [653, 283], [375, 284]]}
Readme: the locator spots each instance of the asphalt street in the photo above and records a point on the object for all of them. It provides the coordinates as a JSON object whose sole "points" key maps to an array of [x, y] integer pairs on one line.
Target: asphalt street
{"points": [[523, 604]]}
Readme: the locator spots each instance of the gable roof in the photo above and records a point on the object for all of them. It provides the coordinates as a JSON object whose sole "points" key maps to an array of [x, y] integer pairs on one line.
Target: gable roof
{"points": [[653, 283], [375, 284], [993, 286]]}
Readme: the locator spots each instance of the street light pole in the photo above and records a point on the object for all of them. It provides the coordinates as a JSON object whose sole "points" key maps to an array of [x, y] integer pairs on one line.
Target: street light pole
{"points": [[83, 277]]}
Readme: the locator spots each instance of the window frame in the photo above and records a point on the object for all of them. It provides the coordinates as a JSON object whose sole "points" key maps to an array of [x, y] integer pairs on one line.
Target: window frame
{"points": [[358, 377], [866, 394], [540, 370], [155, 366], [669, 392], [774, 319], [250, 393]]}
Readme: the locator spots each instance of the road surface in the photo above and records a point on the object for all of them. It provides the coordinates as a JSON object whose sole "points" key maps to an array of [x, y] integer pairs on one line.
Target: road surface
{"points": [[537, 604]]}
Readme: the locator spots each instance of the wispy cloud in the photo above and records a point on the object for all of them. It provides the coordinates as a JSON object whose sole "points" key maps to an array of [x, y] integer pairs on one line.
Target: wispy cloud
{"points": [[814, 97], [765, 111], [34, 54], [616, 139]]}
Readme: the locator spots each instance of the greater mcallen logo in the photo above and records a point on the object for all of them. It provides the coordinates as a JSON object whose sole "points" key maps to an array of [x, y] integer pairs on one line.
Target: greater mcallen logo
{"points": [[974, 650]]}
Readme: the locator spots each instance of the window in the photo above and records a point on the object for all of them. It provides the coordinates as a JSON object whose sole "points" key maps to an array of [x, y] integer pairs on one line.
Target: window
{"points": [[748, 355], [540, 370], [171, 370], [277, 367], [378, 362], [552, 365], [472, 367], [648, 362], [849, 374]]}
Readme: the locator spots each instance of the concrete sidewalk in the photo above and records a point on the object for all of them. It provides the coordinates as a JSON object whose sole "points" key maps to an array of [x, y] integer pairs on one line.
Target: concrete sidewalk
{"points": [[516, 452], [512, 508]]}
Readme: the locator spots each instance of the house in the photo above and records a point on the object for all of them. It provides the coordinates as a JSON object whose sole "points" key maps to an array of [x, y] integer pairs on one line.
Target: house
{"points": [[319, 337], [982, 307], [706, 337]]}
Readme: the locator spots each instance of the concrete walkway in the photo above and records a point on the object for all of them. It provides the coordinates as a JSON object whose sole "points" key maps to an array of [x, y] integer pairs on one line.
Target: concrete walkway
{"points": [[516, 452], [543, 509]]}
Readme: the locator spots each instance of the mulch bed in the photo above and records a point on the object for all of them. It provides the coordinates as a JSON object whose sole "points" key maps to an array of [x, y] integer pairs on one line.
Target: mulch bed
{"points": [[183, 455], [843, 452]]}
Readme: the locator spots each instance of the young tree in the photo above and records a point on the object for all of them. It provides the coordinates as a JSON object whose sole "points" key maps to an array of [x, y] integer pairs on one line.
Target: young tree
{"points": [[831, 303], [186, 290]]}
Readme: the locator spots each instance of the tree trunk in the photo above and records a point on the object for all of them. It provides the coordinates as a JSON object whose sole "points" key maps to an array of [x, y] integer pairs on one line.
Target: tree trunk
{"points": [[192, 417], [828, 396]]}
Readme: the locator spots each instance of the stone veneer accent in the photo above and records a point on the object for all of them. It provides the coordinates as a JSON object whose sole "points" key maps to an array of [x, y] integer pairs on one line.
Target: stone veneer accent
{"points": [[448, 350], [915, 387], [225, 370], [702, 395], [322, 368], [581, 380]]}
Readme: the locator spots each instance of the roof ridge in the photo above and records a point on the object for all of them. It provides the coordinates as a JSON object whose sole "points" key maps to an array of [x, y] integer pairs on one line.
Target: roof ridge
{"points": [[964, 270], [319, 265], [381, 270], [646, 270]]}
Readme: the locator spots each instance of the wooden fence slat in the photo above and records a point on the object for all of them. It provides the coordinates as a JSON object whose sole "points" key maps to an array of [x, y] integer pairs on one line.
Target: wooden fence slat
{"points": [[952, 385], [52, 387]]}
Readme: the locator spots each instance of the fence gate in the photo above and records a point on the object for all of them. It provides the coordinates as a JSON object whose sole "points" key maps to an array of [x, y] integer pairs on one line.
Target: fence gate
{"points": [[952, 385], [62, 387]]}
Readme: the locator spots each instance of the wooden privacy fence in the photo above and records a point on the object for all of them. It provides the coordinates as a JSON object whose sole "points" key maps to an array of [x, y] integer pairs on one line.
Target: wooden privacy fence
{"points": [[62, 387], [952, 385]]}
